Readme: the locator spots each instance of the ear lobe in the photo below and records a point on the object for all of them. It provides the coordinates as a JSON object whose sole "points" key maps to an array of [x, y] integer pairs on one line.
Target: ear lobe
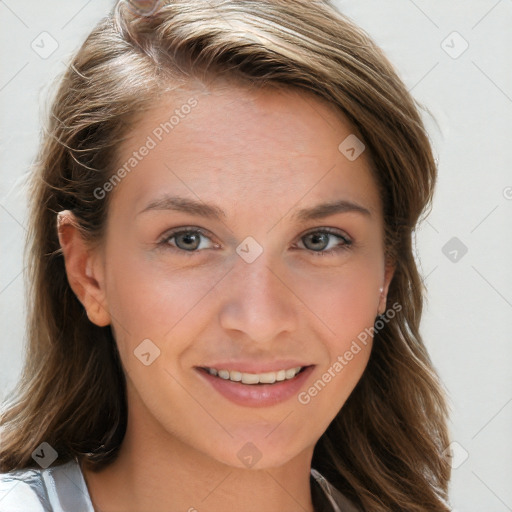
{"points": [[388, 276], [83, 269]]}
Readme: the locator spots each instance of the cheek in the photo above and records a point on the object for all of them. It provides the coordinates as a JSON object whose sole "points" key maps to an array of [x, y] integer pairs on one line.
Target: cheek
{"points": [[151, 300], [346, 299], [143, 303], [347, 305]]}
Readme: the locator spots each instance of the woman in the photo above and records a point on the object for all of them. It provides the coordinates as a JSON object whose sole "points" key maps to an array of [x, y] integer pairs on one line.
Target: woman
{"points": [[225, 305]]}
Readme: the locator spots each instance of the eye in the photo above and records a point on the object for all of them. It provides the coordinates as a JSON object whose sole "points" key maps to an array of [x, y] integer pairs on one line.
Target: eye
{"points": [[323, 241], [185, 239]]}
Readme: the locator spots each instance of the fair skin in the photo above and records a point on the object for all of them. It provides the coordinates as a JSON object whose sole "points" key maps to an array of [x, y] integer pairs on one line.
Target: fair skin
{"points": [[260, 157]]}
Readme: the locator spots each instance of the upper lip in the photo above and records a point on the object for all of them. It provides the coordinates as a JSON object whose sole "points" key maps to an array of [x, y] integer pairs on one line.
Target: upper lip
{"points": [[255, 367]]}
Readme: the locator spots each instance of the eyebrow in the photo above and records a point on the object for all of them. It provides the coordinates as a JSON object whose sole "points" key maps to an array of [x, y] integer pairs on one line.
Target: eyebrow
{"points": [[202, 209]]}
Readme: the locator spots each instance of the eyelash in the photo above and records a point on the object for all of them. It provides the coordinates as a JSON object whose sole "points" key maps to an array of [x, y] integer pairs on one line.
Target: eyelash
{"points": [[347, 243]]}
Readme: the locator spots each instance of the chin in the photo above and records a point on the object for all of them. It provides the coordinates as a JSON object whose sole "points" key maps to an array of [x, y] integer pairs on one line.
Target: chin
{"points": [[258, 454]]}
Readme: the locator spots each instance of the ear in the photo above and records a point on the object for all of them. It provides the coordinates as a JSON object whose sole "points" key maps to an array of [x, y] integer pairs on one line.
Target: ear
{"points": [[84, 269], [388, 275]]}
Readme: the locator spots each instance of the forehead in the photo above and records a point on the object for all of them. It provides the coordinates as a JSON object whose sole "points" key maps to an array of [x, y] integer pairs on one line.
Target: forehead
{"points": [[271, 147]]}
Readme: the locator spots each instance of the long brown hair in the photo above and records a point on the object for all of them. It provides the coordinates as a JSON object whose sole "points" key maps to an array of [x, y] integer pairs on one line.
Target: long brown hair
{"points": [[384, 448]]}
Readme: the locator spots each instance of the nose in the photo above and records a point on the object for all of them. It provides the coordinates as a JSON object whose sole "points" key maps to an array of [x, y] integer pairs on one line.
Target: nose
{"points": [[258, 300]]}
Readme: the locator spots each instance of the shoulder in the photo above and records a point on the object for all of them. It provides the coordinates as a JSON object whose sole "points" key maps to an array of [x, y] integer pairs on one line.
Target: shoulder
{"points": [[22, 491], [55, 489], [338, 501]]}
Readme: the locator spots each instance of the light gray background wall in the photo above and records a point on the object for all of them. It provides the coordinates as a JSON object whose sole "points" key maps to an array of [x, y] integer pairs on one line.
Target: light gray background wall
{"points": [[464, 248]]}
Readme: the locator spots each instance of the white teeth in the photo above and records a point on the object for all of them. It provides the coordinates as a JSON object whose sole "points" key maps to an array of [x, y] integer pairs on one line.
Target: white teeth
{"points": [[236, 376], [255, 378], [290, 373], [250, 378], [223, 374], [268, 378]]}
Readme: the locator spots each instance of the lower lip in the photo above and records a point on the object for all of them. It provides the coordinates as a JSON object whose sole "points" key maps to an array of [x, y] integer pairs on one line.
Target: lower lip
{"points": [[257, 395]]}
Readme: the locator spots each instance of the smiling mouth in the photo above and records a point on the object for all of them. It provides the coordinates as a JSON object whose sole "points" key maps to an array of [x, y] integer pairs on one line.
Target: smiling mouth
{"points": [[256, 378]]}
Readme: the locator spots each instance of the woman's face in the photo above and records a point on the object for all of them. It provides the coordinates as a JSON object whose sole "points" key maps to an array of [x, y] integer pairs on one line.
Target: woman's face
{"points": [[220, 253]]}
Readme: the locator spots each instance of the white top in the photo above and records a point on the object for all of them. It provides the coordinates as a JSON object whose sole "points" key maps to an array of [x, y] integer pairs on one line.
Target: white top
{"points": [[62, 488]]}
